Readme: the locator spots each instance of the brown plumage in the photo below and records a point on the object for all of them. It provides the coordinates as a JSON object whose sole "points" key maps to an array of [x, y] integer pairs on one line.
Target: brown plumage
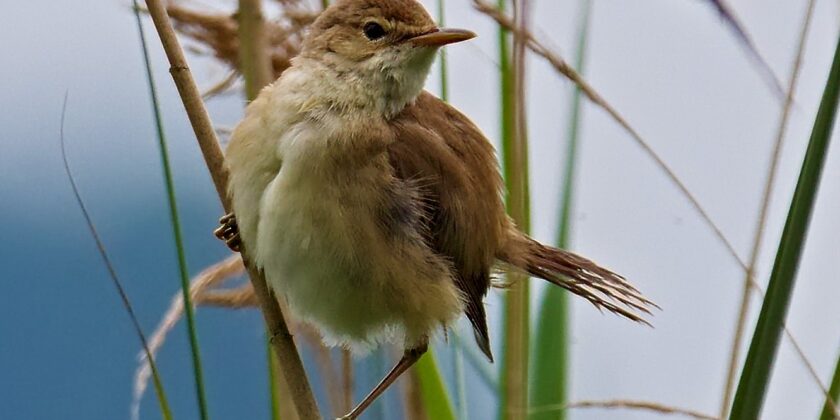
{"points": [[460, 183], [440, 149], [374, 207]]}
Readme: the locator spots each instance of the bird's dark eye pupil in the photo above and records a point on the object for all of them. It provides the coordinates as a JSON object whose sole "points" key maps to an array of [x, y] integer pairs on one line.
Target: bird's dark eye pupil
{"points": [[374, 31]]}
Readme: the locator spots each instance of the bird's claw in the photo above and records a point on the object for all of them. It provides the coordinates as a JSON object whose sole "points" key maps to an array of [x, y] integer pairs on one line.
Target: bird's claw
{"points": [[229, 232]]}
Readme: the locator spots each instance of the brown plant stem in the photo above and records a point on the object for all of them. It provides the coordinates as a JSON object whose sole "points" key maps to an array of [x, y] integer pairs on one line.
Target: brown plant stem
{"points": [[238, 298], [254, 63], [281, 339], [220, 86], [628, 405], [412, 397], [740, 325]]}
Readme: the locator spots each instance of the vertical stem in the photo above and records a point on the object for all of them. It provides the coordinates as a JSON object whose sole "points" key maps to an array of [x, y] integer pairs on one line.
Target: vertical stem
{"points": [[281, 339], [273, 386], [150, 79], [514, 381], [433, 394], [254, 63], [183, 271], [551, 356], [829, 412], [740, 324], [755, 377], [185, 284], [413, 407]]}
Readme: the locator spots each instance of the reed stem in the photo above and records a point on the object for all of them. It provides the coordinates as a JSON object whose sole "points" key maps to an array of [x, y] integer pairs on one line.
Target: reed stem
{"points": [[741, 322], [515, 167], [281, 339]]}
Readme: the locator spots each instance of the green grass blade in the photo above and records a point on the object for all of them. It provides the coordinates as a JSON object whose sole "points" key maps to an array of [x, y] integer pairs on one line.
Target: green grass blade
{"points": [[432, 389], [549, 374], [514, 366], [828, 411], [506, 134], [176, 227], [273, 387], [156, 381], [755, 376]]}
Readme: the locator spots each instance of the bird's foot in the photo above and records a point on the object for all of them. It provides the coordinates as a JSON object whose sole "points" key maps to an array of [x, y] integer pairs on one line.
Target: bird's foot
{"points": [[229, 232]]}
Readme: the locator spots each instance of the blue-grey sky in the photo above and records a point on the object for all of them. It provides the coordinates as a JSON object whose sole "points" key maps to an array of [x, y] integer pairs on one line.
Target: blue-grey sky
{"points": [[670, 67]]}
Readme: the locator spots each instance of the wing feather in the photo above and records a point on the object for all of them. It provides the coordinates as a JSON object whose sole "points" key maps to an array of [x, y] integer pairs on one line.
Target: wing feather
{"points": [[454, 166]]}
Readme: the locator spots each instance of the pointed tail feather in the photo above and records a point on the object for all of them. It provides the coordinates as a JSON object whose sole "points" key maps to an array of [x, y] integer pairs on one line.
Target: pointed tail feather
{"points": [[601, 287]]}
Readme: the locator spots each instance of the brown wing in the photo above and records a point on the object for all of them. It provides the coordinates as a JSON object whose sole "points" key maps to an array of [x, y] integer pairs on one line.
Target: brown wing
{"points": [[442, 152]]}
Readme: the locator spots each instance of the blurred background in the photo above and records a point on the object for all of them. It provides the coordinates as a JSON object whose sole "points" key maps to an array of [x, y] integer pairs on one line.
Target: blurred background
{"points": [[674, 69]]}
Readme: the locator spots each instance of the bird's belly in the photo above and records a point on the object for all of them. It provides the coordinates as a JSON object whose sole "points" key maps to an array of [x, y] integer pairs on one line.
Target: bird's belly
{"points": [[326, 254]]}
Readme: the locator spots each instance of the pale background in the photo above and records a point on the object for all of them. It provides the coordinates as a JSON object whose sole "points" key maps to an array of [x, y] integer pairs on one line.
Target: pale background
{"points": [[670, 66]]}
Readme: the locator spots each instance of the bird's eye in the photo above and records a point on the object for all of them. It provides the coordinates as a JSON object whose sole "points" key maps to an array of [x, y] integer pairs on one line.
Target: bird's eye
{"points": [[374, 31]]}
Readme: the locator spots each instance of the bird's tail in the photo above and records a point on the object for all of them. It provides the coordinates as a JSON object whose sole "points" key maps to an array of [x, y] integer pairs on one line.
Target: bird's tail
{"points": [[600, 286]]}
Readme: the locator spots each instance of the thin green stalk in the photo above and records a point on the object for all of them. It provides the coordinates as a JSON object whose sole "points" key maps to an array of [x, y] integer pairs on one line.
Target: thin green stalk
{"points": [[550, 370], [176, 227], [514, 383], [325, 4], [828, 411], [165, 411], [433, 392], [458, 354], [755, 376]]}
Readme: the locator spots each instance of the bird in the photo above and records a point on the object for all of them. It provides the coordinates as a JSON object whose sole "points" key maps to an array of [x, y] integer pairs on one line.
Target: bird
{"points": [[374, 208]]}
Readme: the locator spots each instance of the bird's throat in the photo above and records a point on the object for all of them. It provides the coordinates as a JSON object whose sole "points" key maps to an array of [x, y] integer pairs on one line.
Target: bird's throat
{"points": [[384, 87]]}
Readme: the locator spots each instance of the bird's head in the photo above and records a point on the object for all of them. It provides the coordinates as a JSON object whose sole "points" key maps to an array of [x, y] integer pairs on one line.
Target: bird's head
{"points": [[383, 46]]}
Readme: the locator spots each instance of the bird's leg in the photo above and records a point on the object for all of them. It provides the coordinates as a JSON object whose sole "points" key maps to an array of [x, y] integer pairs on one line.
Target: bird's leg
{"points": [[229, 232], [408, 359]]}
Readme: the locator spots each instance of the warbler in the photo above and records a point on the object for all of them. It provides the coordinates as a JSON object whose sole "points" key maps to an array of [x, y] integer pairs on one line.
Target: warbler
{"points": [[374, 208]]}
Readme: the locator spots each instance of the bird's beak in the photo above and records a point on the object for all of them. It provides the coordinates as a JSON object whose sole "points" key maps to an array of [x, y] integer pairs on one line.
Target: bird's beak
{"points": [[441, 37]]}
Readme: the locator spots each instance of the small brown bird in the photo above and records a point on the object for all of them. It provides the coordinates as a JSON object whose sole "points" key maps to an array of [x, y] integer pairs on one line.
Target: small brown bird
{"points": [[374, 208]]}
